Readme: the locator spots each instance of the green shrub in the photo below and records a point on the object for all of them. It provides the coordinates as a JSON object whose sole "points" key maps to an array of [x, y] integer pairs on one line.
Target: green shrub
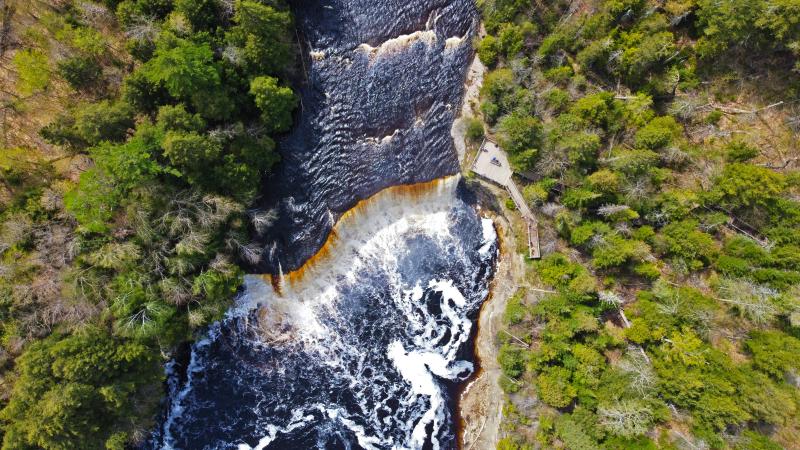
{"points": [[86, 40], [80, 72], [604, 180], [595, 55], [600, 109], [475, 130], [202, 14], [732, 266], [694, 376], [499, 12], [640, 443], [747, 186], [518, 133], [33, 71], [186, 69], [638, 110], [751, 440], [633, 161], [93, 202], [658, 133], [684, 241], [491, 111], [579, 198], [559, 39], [556, 99], [511, 40], [103, 121], [619, 8], [713, 117], [508, 443], [581, 148], [678, 204], [512, 360], [128, 11], [644, 233], [616, 251], [573, 435], [488, 49], [556, 270], [515, 309], [525, 160], [581, 234], [264, 36], [744, 247], [776, 278], [535, 194], [740, 151], [647, 53], [785, 257], [554, 387], [774, 352], [647, 270], [509, 385], [560, 74], [497, 93], [142, 94], [275, 102]]}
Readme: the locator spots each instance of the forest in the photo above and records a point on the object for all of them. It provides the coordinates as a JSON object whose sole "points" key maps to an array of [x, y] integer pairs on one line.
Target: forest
{"points": [[135, 137], [659, 140]]}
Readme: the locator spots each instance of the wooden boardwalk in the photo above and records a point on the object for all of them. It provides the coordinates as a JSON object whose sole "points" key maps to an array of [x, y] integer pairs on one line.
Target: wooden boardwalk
{"points": [[492, 164]]}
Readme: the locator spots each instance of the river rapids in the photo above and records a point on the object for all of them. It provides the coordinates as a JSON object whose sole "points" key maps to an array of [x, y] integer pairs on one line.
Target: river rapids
{"points": [[379, 260]]}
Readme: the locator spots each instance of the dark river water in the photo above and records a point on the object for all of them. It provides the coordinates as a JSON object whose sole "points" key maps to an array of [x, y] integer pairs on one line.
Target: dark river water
{"points": [[362, 347], [385, 80]]}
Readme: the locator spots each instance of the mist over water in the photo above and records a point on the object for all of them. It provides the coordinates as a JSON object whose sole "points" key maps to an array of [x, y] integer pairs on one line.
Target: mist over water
{"points": [[379, 257]]}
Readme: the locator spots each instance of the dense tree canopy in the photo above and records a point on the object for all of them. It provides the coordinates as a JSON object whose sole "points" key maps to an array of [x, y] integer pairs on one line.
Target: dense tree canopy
{"points": [[79, 391], [677, 307], [139, 246]]}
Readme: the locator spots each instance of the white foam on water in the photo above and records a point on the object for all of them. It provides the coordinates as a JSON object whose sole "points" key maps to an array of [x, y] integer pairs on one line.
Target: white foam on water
{"points": [[177, 405], [400, 43], [368, 442], [454, 42], [303, 317], [418, 367], [415, 369], [298, 420], [460, 325], [374, 237], [489, 236]]}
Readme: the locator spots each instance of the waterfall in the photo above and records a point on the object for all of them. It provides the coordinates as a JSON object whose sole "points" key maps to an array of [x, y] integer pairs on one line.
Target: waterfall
{"points": [[379, 257]]}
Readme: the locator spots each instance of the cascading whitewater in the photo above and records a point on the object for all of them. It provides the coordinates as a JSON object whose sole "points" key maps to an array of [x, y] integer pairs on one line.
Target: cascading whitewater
{"points": [[359, 343], [355, 351]]}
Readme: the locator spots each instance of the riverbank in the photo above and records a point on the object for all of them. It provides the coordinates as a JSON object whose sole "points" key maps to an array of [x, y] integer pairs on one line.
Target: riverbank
{"points": [[480, 406], [481, 402]]}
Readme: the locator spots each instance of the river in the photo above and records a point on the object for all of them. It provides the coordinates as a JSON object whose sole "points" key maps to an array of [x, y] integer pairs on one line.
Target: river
{"points": [[379, 260]]}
